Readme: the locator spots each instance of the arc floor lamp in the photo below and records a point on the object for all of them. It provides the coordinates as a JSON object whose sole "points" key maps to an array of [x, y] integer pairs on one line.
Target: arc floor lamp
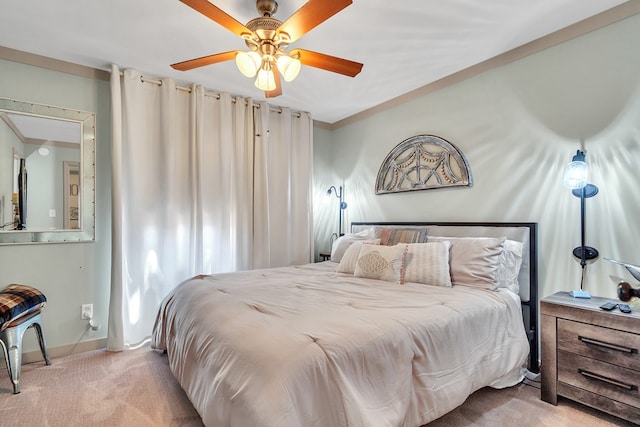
{"points": [[343, 205]]}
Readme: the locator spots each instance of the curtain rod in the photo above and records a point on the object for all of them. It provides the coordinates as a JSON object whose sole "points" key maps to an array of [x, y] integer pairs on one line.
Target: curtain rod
{"points": [[214, 94]]}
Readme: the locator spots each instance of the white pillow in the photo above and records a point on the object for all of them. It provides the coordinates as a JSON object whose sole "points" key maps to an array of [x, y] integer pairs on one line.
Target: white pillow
{"points": [[343, 242], [509, 266], [350, 257], [428, 263], [381, 262], [474, 260]]}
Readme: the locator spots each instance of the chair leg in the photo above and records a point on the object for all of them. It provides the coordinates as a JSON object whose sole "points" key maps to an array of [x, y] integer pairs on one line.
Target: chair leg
{"points": [[11, 340], [11, 344], [43, 343], [8, 362]]}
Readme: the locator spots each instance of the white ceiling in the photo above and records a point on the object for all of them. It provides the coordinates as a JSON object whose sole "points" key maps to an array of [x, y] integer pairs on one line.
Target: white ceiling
{"points": [[404, 44], [45, 129]]}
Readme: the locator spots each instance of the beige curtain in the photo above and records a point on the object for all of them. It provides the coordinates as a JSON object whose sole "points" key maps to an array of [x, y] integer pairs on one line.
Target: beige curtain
{"points": [[198, 189], [284, 173]]}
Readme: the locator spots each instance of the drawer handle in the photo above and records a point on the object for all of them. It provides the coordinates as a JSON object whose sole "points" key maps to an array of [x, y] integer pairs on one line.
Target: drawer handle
{"points": [[608, 345], [607, 380]]}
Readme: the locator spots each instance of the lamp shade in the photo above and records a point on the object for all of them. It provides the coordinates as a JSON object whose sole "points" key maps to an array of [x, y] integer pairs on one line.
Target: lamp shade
{"points": [[576, 172], [289, 67], [266, 80], [248, 63]]}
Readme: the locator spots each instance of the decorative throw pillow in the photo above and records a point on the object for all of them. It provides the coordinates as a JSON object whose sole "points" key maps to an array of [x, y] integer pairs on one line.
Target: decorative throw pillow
{"points": [[509, 265], [342, 243], [394, 235], [428, 263], [381, 262], [348, 261], [474, 260], [19, 300]]}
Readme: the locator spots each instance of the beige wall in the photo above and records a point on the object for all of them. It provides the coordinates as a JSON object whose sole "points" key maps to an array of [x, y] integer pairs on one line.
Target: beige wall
{"points": [[69, 274], [519, 125], [325, 212]]}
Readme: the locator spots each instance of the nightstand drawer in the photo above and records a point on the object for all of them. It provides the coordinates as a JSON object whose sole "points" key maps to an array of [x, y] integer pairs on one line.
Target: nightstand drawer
{"points": [[609, 345], [599, 377]]}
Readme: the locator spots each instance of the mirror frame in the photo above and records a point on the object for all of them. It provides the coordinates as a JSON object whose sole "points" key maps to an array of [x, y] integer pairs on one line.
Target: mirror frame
{"points": [[87, 122]]}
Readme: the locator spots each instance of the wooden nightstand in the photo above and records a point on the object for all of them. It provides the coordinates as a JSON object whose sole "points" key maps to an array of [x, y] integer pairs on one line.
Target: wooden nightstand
{"points": [[325, 256], [590, 355]]}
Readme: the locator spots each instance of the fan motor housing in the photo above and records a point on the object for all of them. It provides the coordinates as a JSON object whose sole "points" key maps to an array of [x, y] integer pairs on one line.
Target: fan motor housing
{"points": [[265, 24], [265, 28]]}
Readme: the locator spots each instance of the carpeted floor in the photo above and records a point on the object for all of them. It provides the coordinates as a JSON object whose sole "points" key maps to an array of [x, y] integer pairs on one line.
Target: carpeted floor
{"points": [[98, 388], [135, 389], [520, 406]]}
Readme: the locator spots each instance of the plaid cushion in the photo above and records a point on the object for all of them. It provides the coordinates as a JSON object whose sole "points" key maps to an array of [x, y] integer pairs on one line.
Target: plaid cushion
{"points": [[19, 300]]}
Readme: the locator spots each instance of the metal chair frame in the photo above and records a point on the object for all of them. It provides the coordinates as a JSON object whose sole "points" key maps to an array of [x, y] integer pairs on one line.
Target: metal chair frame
{"points": [[11, 343]]}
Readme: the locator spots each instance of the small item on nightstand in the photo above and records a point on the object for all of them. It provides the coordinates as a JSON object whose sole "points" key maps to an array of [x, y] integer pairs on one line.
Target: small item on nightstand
{"points": [[579, 293], [608, 306], [626, 292], [624, 308]]}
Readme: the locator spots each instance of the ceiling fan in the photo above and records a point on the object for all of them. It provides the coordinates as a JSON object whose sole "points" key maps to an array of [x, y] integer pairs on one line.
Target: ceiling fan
{"points": [[268, 39]]}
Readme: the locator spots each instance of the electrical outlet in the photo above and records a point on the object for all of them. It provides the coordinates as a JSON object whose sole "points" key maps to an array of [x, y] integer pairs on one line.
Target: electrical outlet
{"points": [[87, 311]]}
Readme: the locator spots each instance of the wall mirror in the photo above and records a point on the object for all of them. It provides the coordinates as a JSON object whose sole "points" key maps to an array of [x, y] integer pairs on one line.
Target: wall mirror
{"points": [[47, 173]]}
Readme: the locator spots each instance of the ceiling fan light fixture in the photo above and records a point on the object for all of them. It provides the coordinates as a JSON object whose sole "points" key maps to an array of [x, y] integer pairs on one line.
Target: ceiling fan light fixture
{"points": [[266, 81], [248, 63], [268, 38], [289, 67]]}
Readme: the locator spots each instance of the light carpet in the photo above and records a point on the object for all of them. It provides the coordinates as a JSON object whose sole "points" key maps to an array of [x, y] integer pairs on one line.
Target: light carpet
{"points": [[135, 388]]}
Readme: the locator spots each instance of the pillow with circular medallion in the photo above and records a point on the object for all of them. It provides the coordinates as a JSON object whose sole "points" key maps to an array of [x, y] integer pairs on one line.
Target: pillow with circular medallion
{"points": [[381, 262], [350, 257]]}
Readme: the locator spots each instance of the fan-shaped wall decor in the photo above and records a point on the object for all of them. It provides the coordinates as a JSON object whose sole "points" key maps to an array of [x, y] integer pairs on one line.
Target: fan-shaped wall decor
{"points": [[423, 162]]}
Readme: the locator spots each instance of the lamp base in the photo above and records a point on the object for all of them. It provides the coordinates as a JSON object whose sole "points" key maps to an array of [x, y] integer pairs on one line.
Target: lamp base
{"points": [[579, 293], [589, 252]]}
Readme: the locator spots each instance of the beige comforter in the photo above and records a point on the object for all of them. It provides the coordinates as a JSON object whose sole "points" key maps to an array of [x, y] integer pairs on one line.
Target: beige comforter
{"points": [[306, 346]]}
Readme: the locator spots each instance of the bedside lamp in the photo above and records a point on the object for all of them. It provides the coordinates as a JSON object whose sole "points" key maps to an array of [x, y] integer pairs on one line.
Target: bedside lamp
{"points": [[342, 206], [575, 178]]}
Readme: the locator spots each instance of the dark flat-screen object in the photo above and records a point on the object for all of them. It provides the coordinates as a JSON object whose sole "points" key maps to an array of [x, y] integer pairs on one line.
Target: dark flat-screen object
{"points": [[22, 195]]}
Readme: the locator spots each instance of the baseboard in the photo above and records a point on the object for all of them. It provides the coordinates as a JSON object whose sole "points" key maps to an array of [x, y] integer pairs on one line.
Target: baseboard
{"points": [[62, 351]]}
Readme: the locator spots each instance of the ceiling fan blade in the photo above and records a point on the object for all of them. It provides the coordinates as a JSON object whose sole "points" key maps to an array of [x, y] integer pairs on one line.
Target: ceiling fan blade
{"points": [[205, 60], [278, 90], [312, 14], [328, 62], [218, 15]]}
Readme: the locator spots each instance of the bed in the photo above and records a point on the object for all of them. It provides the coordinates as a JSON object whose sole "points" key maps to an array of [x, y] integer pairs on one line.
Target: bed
{"points": [[361, 342]]}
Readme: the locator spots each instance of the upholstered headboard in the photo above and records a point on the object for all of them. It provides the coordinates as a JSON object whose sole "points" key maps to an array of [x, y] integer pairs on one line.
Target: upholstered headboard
{"points": [[525, 232]]}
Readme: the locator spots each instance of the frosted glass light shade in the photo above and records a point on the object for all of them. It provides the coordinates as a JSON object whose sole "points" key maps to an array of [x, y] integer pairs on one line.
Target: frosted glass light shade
{"points": [[575, 175], [248, 63], [265, 80], [289, 67]]}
